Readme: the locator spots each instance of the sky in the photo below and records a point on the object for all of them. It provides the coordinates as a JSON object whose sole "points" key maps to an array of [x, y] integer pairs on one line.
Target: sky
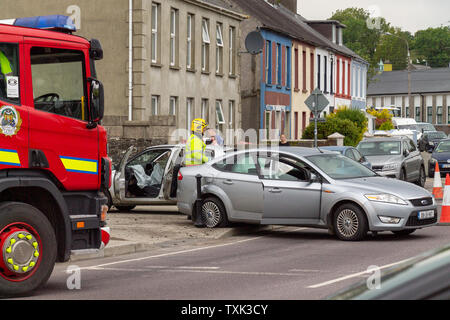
{"points": [[410, 15]]}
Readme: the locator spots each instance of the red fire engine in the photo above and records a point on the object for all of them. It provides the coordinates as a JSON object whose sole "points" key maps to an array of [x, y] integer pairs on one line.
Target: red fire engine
{"points": [[53, 151]]}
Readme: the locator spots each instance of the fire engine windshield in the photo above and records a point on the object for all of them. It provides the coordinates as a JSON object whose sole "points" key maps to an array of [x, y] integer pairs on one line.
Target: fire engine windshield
{"points": [[9, 73], [58, 81]]}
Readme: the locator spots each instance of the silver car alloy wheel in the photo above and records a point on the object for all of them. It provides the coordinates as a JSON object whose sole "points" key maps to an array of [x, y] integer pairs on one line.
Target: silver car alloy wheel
{"points": [[211, 214], [347, 223]]}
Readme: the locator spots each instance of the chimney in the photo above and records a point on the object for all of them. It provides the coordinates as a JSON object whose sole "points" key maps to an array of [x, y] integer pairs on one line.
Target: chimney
{"points": [[290, 4]]}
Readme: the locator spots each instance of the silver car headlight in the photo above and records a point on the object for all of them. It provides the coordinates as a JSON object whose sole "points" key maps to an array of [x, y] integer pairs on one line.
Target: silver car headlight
{"points": [[391, 166], [387, 198]]}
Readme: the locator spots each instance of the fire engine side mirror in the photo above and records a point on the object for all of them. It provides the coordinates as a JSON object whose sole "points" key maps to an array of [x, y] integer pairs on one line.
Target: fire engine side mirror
{"points": [[97, 101]]}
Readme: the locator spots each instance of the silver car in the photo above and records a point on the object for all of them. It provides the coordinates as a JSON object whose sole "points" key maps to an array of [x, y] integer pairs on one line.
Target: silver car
{"points": [[304, 187], [147, 178], [394, 157]]}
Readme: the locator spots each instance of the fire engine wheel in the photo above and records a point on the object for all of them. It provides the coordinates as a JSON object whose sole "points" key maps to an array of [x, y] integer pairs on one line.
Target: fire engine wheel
{"points": [[27, 246]]}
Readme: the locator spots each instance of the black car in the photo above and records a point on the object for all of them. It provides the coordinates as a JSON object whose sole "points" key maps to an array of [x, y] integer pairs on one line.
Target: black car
{"points": [[430, 139], [424, 277], [440, 155]]}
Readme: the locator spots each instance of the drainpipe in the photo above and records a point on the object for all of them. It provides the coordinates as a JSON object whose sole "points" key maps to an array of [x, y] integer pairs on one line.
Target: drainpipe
{"points": [[130, 61]]}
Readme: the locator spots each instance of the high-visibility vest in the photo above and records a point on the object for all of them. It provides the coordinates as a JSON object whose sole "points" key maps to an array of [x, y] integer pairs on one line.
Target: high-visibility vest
{"points": [[5, 66], [195, 149]]}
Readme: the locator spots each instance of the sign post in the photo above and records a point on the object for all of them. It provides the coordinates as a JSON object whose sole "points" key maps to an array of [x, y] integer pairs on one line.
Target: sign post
{"points": [[316, 102]]}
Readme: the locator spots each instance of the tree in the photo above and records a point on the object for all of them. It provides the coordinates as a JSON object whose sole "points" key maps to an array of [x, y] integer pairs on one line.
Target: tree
{"points": [[354, 115], [360, 35], [393, 49], [333, 124], [433, 46]]}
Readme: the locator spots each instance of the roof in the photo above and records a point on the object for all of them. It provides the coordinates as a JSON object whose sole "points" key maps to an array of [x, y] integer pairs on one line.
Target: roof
{"points": [[38, 33], [280, 19], [384, 138], [422, 81]]}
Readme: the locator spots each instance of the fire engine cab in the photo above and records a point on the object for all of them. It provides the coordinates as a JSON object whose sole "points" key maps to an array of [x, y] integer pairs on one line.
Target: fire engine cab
{"points": [[53, 150]]}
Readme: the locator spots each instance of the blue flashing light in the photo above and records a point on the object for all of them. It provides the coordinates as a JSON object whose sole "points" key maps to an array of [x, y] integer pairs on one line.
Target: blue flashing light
{"points": [[53, 22]]}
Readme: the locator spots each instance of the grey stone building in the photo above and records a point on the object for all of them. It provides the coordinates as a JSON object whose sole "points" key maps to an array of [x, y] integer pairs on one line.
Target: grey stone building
{"points": [[183, 56], [430, 95]]}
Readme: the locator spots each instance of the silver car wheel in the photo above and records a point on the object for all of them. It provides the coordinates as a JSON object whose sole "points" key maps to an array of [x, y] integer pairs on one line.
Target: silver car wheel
{"points": [[347, 223], [211, 214]]}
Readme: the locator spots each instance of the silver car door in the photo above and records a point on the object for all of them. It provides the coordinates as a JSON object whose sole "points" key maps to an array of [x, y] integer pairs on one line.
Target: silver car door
{"points": [[237, 178], [119, 178], [288, 193]]}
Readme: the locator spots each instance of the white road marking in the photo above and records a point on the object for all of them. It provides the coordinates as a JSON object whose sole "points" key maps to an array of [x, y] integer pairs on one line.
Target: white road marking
{"points": [[354, 275], [181, 252], [305, 270]]}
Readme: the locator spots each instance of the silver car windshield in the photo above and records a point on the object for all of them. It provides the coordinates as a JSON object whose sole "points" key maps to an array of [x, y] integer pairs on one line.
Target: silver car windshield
{"points": [[340, 167], [379, 148], [408, 127]]}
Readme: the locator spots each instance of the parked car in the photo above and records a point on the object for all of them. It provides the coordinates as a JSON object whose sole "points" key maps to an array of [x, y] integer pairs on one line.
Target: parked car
{"points": [[425, 126], [430, 139], [147, 178], [440, 155], [424, 277], [304, 187], [350, 152], [394, 157]]}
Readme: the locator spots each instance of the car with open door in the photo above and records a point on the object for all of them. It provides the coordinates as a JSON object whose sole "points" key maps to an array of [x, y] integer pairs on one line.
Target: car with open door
{"points": [[149, 177]]}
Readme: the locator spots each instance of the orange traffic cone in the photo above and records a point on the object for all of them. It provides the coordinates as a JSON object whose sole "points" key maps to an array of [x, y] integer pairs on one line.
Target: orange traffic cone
{"points": [[445, 212], [437, 183]]}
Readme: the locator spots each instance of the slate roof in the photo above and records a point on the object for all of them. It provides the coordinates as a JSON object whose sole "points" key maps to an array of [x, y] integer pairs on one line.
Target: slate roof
{"points": [[422, 81], [280, 19]]}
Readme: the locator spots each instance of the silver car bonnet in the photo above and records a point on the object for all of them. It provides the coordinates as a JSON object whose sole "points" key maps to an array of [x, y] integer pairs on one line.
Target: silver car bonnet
{"points": [[372, 185], [382, 160]]}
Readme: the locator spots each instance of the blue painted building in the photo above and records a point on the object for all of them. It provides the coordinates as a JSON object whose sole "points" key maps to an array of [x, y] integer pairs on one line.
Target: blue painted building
{"points": [[275, 84], [359, 84]]}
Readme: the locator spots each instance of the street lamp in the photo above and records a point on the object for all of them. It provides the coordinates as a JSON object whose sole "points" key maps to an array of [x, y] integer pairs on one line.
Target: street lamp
{"points": [[411, 109]]}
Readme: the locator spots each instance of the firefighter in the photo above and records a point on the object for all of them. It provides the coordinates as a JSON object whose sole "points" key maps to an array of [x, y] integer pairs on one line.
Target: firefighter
{"points": [[195, 155], [5, 65], [195, 147]]}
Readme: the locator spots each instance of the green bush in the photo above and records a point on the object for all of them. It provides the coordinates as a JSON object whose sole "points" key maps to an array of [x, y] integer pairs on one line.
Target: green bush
{"points": [[358, 118], [334, 124], [387, 125]]}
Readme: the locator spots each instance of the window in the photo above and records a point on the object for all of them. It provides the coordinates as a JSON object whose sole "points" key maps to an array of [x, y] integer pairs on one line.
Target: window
{"points": [[205, 45], [219, 49], [155, 105], [230, 114], [430, 114], [190, 46], [58, 81], [231, 50], [318, 71], [205, 109], [173, 37], [278, 64], [281, 169], [220, 119], [241, 163], [304, 71], [448, 114], [173, 106], [418, 114], [287, 68], [311, 72], [189, 110], [155, 32], [9, 73], [332, 76], [439, 119], [268, 62], [296, 68], [325, 77]]}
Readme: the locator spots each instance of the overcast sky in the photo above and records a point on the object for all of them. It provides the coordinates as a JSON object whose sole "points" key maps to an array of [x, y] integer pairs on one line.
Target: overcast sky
{"points": [[410, 15]]}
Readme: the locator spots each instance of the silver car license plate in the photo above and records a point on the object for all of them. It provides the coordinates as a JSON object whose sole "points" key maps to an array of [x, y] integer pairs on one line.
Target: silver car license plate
{"points": [[425, 214]]}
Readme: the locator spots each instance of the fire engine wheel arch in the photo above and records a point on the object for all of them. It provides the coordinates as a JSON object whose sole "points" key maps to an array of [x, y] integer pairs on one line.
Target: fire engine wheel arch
{"points": [[28, 248], [39, 181]]}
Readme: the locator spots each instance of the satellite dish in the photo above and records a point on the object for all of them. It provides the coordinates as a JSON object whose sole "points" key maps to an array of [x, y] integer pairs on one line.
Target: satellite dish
{"points": [[254, 42]]}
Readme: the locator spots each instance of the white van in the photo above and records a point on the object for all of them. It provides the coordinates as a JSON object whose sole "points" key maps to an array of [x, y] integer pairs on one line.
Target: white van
{"points": [[407, 124]]}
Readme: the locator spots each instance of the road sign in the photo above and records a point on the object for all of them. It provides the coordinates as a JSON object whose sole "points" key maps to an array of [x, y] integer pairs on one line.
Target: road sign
{"points": [[317, 102]]}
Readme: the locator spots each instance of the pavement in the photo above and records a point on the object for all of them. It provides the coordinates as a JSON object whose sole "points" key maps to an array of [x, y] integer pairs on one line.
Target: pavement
{"points": [[147, 228]]}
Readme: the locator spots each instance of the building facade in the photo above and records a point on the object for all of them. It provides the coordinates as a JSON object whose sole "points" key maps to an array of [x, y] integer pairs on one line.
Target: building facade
{"points": [[430, 95], [184, 59], [358, 82]]}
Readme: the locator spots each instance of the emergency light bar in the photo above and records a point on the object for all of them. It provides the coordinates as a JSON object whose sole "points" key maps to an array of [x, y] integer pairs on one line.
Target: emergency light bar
{"points": [[53, 22]]}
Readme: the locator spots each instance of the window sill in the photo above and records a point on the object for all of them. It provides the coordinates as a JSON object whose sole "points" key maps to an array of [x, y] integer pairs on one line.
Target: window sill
{"points": [[296, 89], [174, 68], [206, 73], [191, 70], [278, 86], [304, 91], [219, 75], [156, 65], [232, 76]]}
